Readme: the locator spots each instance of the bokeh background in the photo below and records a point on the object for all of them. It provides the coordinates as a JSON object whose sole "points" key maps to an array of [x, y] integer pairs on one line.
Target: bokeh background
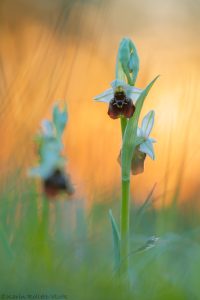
{"points": [[52, 50]]}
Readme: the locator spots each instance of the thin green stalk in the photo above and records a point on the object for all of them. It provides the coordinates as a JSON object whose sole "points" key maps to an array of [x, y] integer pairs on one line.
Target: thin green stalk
{"points": [[125, 202], [124, 218], [123, 125]]}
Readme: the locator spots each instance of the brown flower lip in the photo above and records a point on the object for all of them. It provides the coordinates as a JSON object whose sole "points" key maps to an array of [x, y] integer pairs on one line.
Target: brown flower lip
{"points": [[121, 105], [137, 162], [57, 182]]}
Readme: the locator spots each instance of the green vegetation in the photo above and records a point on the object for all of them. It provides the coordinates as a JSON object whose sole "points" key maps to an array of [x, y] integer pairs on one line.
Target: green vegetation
{"points": [[60, 248]]}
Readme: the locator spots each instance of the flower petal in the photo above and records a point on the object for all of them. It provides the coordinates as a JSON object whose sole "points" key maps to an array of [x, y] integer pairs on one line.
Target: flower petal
{"points": [[147, 123], [40, 171], [106, 96], [152, 140], [134, 93], [147, 147], [47, 128]]}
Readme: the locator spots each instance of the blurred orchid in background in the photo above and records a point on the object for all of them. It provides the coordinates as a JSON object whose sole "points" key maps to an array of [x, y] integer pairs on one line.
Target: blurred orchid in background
{"points": [[121, 99], [52, 164]]}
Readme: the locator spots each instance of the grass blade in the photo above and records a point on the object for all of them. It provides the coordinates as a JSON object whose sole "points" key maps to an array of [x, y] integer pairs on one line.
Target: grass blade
{"points": [[116, 239], [147, 201]]}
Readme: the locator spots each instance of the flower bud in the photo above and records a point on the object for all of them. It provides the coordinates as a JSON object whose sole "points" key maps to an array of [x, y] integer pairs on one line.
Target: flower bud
{"points": [[129, 60], [59, 119]]}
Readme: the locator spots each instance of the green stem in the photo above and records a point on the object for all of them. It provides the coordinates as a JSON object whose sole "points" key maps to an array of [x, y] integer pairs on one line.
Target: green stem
{"points": [[124, 218], [125, 225], [123, 125]]}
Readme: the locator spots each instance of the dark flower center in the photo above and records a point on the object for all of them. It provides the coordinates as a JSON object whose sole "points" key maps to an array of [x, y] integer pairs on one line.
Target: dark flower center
{"points": [[121, 105], [120, 99]]}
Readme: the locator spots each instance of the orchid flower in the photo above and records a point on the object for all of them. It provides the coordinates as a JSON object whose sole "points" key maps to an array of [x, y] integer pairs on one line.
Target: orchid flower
{"points": [[121, 98], [146, 145]]}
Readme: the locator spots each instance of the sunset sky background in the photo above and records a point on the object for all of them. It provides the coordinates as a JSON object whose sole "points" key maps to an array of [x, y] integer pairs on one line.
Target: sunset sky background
{"points": [[62, 49]]}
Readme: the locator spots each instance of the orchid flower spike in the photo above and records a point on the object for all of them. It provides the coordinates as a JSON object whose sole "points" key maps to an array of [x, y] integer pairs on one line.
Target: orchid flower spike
{"points": [[51, 169], [121, 99], [146, 145]]}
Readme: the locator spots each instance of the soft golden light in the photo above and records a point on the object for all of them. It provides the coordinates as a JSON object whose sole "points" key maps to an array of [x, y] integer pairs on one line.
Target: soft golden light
{"points": [[72, 57]]}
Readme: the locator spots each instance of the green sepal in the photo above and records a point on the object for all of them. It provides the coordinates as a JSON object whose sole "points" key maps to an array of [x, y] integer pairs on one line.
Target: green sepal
{"points": [[59, 119]]}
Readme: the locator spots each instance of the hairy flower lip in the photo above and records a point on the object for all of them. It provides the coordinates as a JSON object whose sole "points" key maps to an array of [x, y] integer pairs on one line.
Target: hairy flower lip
{"points": [[116, 110]]}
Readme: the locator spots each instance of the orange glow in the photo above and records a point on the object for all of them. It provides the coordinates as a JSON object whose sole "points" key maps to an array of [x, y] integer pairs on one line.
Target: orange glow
{"points": [[39, 65]]}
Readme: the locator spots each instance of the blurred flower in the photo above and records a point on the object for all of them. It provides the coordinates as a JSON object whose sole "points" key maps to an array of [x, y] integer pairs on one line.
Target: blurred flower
{"points": [[56, 182], [146, 145], [47, 128], [52, 164], [121, 98]]}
